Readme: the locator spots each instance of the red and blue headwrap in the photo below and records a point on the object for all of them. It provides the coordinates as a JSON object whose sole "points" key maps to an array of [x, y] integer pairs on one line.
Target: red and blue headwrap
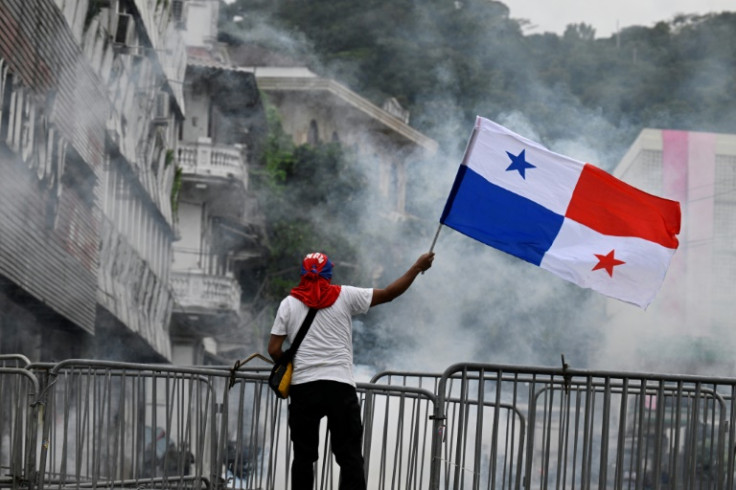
{"points": [[314, 288], [317, 263]]}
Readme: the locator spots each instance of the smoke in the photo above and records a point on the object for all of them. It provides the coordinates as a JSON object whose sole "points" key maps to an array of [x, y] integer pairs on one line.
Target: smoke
{"points": [[476, 303]]}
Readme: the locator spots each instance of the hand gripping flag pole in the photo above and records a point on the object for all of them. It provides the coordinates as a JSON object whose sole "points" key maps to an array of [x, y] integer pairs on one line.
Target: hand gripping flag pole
{"points": [[434, 241]]}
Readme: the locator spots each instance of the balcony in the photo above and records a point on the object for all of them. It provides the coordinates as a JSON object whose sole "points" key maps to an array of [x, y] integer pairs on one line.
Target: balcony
{"points": [[208, 162], [210, 303]]}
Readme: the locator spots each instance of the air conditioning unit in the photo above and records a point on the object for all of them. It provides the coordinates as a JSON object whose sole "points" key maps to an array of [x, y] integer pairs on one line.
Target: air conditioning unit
{"points": [[124, 30], [162, 108]]}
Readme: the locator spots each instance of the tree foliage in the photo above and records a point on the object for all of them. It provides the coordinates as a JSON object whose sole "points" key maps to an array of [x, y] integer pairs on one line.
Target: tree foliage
{"points": [[310, 197], [470, 57]]}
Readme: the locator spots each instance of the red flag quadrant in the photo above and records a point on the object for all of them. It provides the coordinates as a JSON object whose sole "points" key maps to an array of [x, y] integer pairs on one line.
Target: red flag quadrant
{"points": [[566, 216]]}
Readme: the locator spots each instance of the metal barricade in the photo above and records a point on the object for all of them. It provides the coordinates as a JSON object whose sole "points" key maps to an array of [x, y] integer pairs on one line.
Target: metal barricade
{"points": [[477, 436], [128, 425], [88, 424], [583, 429], [256, 434], [396, 444], [397, 424], [18, 424]]}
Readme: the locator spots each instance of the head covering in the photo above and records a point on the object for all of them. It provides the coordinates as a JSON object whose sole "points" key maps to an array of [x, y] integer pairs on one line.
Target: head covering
{"points": [[314, 288]]}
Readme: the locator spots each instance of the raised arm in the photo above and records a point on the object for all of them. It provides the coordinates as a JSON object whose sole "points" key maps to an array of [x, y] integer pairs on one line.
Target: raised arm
{"points": [[400, 285]]}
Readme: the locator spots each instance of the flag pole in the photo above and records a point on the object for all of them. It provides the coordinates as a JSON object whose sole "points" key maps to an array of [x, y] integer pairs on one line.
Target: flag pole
{"points": [[435, 238], [470, 142]]}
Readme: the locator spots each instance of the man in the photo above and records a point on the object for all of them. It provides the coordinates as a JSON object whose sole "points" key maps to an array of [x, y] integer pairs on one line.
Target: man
{"points": [[322, 383]]}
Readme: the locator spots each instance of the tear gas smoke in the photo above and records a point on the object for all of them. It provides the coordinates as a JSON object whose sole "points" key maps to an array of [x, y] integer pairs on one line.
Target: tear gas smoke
{"points": [[476, 303]]}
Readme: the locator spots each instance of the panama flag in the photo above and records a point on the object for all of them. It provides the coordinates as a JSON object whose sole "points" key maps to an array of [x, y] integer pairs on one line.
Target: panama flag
{"points": [[566, 216]]}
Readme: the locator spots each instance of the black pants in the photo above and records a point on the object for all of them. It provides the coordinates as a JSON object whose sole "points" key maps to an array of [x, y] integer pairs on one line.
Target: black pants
{"points": [[308, 403]]}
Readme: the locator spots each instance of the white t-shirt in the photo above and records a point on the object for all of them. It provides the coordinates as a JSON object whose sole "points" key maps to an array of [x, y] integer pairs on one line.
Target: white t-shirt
{"points": [[326, 353]]}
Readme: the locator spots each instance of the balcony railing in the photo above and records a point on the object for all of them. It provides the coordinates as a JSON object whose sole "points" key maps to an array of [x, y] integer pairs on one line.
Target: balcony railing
{"points": [[207, 160], [203, 292]]}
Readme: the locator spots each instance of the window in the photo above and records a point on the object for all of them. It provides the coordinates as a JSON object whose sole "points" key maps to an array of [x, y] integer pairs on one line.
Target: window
{"points": [[6, 93], [313, 135]]}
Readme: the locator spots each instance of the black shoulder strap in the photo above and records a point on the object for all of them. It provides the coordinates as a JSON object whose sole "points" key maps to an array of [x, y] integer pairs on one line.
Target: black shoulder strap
{"points": [[302, 330]]}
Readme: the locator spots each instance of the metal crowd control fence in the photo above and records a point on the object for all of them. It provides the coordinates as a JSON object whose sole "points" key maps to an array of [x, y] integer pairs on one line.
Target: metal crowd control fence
{"points": [[581, 429], [112, 424], [89, 424], [18, 422], [397, 428], [477, 439], [119, 424]]}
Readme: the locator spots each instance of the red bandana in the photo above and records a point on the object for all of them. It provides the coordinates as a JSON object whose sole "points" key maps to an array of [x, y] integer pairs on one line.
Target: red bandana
{"points": [[314, 288]]}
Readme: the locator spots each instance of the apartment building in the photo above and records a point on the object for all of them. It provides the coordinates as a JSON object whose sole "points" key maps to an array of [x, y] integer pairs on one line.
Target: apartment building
{"points": [[91, 104], [221, 231], [316, 109], [693, 313]]}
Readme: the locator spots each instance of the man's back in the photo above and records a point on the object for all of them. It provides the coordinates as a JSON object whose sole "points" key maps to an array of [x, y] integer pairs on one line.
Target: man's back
{"points": [[326, 352]]}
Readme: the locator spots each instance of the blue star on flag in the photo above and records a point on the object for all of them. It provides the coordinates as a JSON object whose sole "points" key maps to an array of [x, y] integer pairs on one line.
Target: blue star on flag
{"points": [[518, 162]]}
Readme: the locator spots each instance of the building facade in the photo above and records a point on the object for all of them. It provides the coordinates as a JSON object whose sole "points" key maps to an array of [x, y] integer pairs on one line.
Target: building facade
{"points": [[696, 303], [137, 228], [315, 109], [221, 229], [90, 108]]}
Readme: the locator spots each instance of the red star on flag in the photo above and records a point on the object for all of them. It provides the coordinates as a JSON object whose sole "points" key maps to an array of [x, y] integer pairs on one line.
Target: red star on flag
{"points": [[607, 262]]}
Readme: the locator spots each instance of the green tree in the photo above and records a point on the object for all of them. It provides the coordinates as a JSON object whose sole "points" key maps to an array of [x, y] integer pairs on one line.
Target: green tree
{"points": [[310, 198]]}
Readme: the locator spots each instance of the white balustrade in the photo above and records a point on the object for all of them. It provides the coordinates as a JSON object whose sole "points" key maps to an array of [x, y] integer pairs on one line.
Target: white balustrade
{"points": [[208, 160]]}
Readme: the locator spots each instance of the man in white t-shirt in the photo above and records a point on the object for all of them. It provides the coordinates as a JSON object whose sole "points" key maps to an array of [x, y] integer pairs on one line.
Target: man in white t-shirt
{"points": [[322, 383]]}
